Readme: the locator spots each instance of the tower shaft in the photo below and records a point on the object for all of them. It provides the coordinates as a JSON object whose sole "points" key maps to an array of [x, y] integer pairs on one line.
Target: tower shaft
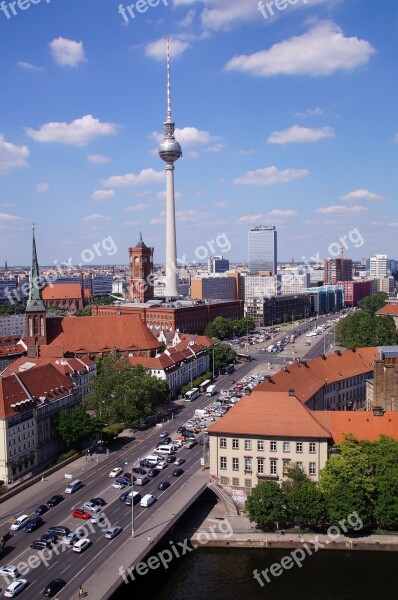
{"points": [[171, 239]]}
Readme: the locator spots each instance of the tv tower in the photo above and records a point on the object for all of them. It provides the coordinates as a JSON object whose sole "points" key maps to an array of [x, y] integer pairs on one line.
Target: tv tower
{"points": [[170, 151]]}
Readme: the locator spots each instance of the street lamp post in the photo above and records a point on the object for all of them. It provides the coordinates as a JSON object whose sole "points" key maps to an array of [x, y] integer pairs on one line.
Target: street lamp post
{"points": [[100, 416], [132, 498], [205, 438]]}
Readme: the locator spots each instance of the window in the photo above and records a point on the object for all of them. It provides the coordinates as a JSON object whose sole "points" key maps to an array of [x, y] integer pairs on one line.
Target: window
{"points": [[260, 445], [248, 444], [273, 466], [235, 464], [299, 447], [260, 466], [235, 444], [286, 446], [312, 469], [299, 465], [312, 448], [286, 463], [224, 480], [248, 465], [223, 462], [235, 481], [273, 446], [223, 442], [248, 482]]}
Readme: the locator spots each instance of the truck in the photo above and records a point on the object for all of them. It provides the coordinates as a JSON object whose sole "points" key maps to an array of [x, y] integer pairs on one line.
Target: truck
{"points": [[199, 412], [211, 390]]}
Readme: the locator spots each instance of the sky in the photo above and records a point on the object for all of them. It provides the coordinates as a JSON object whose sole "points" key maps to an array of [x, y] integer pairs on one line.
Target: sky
{"points": [[286, 116]]}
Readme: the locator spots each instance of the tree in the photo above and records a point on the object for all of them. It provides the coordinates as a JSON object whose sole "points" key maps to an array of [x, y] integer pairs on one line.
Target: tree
{"points": [[220, 328], [371, 304], [12, 308], [243, 326], [76, 426], [125, 393], [223, 355], [347, 484], [83, 312], [362, 329], [265, 505], [305, 505]]}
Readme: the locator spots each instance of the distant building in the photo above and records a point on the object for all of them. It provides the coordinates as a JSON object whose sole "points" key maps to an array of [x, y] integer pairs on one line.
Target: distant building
{"points": [[325, 299], [13, 325], [294, 282], [11, 348], [261, 287], [355, 291], [386, 284], [277, 309], [263, 249], [337, 269], [71, 296], [378, 265], [141, 266], [382, 390], [217, 264], [213, 288]]}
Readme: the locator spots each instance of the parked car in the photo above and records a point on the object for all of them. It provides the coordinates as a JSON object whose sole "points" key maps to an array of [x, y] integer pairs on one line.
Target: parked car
{"points": [[15, 588], [178, 472], [91, 507], [179, 461], [112, 532], [33, 524], [171, 458], [164, 434], [115, 472], [118, 485], [162, 465], [163, 485], [40, 510], [54, 500], [10, 571], [142, 480], [70, 538], [20, 522], [139, 471], [59, 530], [50, 537], [153, 472], [136, 496], [123, 480], [98, 501], [40, 545], [53, 587], [127, 475], [123, 496], [80, 513]]}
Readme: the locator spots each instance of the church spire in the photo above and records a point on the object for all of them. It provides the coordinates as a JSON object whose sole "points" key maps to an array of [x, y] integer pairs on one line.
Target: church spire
{"points": [[35, 302]]}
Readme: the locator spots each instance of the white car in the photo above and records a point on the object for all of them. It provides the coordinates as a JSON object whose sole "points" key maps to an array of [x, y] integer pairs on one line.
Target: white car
{"points": [[162, 465], [9, 571], [20, 522], [118, 486], [99, 519], [115, 472], [91, 507], [15, 587]]}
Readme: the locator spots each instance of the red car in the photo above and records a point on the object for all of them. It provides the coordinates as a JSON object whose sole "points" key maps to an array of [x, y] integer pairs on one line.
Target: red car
{"points": [[79, 513]]}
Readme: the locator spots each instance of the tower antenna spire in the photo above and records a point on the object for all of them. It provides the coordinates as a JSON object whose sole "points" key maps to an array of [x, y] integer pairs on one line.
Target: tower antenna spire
{"points": [[168, 81]]}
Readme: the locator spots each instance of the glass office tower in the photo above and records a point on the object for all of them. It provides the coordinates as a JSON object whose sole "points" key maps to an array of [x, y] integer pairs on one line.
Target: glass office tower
{"points": [[263, 249]]}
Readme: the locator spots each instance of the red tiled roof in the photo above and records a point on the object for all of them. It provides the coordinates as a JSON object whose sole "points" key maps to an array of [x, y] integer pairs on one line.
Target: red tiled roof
{"points": [[85, 335], [362, 425], [163, 361], [307, 377], [202, 340], [390, 309], [40, 381], [270, 414], [61, 291]]}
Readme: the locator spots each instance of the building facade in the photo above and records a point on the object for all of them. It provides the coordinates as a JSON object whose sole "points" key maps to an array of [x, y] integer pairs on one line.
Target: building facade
{"points": [[141, 266], [337, 269], [263, 249], [382, 390], [378, 266], [326, 299], [217, 264], [14, 325], [213, 288]]}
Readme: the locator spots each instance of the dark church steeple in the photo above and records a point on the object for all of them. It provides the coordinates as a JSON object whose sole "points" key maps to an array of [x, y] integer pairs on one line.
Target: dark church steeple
{"points": [[36, 330]]}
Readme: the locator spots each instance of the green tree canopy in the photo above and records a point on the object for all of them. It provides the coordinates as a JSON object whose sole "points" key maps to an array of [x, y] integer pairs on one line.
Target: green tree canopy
{"points": [[222, 328], [12, 308], [371, 304], [76, 426], [223, 355], [303, 499], [83, 312], [362, 329], [265, 505]]}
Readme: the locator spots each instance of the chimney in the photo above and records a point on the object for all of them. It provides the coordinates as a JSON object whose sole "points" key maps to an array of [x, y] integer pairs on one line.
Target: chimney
{"points": [[337, 352], [378, 411], [291, 392]]}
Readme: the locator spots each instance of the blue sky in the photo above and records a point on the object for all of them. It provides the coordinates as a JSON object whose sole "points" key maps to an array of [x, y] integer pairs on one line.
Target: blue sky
{"points": [[288, 120]]}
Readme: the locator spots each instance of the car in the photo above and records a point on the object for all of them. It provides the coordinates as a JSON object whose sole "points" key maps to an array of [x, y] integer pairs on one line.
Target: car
{"points": [[99, 519], [112, 532], [139, 471], [123, 496], [33, 524], [163, 485], [81, 545], [171, 458], [10, 571], [20, 522], [162, 465], [59, 530], [91, 507], [190, 444], [153, 472], [80, 513], [54, 500], [123, 480], [178, 472], [118, 485], [98, 501], [115, 472], [70, 539], [15, 588], [49, 537], [41, 544], [179, 461], [142, 480], [127, 475], [53, 587], [40, 510], [181, 430], [167, 440], [164, 434]]}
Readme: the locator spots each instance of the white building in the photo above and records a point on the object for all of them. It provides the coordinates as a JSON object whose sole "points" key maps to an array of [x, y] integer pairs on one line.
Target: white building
{"points": [[260, 287], [294, 282], [378, 265]]}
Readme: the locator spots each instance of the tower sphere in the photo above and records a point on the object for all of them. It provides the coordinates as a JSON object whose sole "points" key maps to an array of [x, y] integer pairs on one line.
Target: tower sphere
{"points": [[169, 150]]}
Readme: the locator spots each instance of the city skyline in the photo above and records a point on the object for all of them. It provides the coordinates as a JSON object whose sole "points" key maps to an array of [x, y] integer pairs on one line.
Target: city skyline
{"points": [[308, 147]]}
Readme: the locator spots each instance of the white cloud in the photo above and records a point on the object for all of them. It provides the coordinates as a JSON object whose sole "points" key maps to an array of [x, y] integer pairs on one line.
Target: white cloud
{"points": [[188, 19], [270, 176], [42, 187], [283, 213], [156, 221], [246, 152], [187, 215], [342, 210], [130, 223], [102, 195], [67, 52], [392, 224], [76, 133], [136, 207], [97, 159], [96, 217], [187, 136], [250, 218], [216, 148], [223, 204], [218, 223], [8, 217], [157, 49], [12, 156], [310, 112], [363, 195], [300, 134], [145, 177], [26, 65], [322, 50]]}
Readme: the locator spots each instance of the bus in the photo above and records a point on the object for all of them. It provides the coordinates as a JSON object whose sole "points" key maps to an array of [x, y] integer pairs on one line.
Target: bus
{"points": [[191, 395], [228, 369], [203, 386], [211, 390]]}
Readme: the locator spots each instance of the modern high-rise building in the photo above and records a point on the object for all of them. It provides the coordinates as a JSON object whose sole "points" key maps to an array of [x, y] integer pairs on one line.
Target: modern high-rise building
{"points": [[378, 265], [217, 264], [170, 151], [337, 269], [263, 249]]}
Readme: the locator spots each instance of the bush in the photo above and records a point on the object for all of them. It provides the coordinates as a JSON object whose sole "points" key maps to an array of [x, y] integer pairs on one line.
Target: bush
{"points": [[64, 456], [111, 431], [196, 382]]}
